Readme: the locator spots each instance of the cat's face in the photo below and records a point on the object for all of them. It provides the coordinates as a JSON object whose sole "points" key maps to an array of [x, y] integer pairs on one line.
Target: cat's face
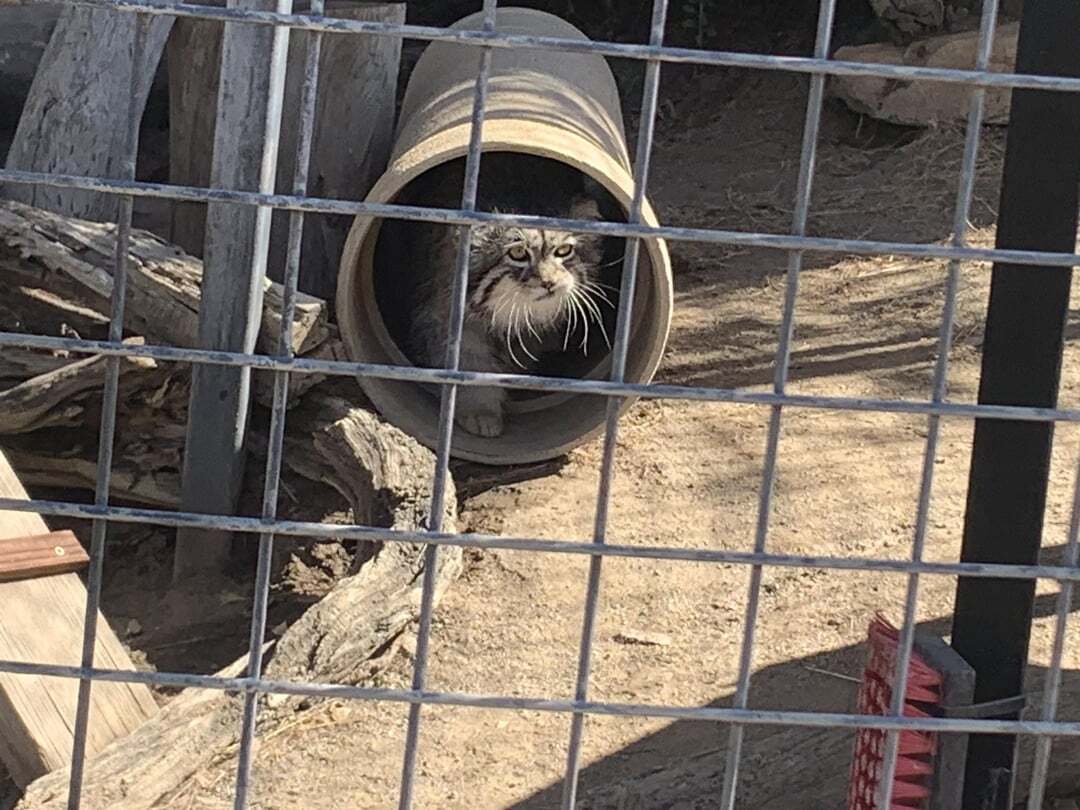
{"points": [[534, 276]]}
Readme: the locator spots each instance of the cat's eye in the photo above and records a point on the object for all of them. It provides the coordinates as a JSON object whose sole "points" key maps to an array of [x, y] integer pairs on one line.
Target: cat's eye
{"points": [[562, 251], [518, 253]]}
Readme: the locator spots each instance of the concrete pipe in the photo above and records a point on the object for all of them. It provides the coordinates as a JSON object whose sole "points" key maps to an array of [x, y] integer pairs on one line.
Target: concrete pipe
{"points": [[542, 104]]}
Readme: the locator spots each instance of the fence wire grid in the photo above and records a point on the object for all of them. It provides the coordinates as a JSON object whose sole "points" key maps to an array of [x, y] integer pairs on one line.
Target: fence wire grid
{"points": [[796, 242]]}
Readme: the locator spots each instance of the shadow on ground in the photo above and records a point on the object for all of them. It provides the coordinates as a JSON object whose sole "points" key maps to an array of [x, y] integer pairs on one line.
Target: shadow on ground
{"points": [[682, 767]]}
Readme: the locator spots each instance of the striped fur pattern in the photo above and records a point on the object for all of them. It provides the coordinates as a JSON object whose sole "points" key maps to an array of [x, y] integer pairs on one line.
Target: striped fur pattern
{"points": [[529, 291]]}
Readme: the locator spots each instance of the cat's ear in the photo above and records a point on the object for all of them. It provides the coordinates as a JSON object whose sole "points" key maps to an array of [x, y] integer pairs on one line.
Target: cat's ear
{"points": [[582, 207]]}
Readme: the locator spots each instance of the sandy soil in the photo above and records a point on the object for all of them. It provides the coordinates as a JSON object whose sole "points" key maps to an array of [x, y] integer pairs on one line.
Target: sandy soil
{"points": [[687, 475]]}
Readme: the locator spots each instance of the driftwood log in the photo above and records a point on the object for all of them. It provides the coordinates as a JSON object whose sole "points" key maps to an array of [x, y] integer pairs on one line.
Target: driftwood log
{"points": [[75, 118], [915, 103], [67, 264], [385, 475], [48, 417]]}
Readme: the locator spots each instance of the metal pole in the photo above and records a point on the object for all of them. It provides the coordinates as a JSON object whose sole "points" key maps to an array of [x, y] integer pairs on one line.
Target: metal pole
{"points": [[1021, 365]]}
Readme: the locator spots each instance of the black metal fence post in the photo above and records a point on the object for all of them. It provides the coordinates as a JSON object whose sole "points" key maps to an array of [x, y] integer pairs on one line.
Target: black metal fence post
{"points": [[1021, 365]]}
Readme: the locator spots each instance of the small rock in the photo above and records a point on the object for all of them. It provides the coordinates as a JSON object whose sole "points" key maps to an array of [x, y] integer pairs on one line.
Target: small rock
{"points": [[922, 103], [280, 629], [133, 628], [644, 637], [339, 713]]}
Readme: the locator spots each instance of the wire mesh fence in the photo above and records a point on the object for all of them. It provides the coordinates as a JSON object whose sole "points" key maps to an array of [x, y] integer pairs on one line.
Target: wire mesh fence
{"points": [[738, 716]]}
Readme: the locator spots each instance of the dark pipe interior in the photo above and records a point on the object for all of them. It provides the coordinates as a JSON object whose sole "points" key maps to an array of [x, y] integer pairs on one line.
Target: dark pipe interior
{"points": [[392, 271]]}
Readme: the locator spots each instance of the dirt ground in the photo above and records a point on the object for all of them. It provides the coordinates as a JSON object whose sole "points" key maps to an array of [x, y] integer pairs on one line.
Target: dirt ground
{"points": [[687, 475]]}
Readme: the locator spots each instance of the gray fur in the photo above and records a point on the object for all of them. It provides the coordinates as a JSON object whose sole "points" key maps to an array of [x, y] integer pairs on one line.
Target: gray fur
{"points": [[529, 291]]}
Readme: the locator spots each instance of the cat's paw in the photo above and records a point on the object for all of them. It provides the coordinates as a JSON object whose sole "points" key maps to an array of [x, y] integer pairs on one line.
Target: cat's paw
{"points": [[486, 423]]}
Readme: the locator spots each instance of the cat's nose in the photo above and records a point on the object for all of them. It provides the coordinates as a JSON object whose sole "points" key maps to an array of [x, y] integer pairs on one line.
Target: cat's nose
{"points": [[555, 283]]}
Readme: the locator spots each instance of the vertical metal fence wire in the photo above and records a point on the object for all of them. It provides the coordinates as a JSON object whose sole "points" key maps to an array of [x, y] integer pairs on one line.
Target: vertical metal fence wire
{"points": [[965, 192], [814, 104], [304, 137], [99, 528], [646, 133], [284, 363], [447, 408]]}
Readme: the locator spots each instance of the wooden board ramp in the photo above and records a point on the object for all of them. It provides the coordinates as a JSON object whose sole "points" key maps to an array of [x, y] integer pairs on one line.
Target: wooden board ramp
{"points": [[43, 623]]}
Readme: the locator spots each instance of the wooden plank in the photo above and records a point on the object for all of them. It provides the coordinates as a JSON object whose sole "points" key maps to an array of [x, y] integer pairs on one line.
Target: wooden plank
{"points": [[43, 623], [957, 691], [237, 238], [354, 120], [41, 555], [74, 118]]}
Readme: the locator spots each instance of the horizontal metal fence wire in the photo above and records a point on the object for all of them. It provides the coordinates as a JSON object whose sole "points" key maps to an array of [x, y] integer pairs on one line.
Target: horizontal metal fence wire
{"points": [[283, 363]]}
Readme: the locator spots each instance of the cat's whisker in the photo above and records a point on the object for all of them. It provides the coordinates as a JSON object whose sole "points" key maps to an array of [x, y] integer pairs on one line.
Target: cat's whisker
{"points": [[584, 322], [592, 289], [510, 321], [571, 320], [523, 313], [529, 326], [504, 301], [603, 331], [594, 308], [524, 348], [609, 264]]}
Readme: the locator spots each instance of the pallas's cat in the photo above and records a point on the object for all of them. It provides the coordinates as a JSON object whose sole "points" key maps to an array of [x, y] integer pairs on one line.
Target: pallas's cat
{"points": [[529, 291]]}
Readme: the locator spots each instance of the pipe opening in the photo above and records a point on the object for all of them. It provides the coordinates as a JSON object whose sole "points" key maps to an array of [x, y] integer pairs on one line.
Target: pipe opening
{"points": [[579, 348]]}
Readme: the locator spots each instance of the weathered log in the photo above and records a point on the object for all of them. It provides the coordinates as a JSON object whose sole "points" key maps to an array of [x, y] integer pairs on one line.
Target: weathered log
{"points": [[386, 477], [49, 424], [356, 453], [76, 258], [75, 118], [153, 759], [17, 365], [64, 270], [48, 399]]}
